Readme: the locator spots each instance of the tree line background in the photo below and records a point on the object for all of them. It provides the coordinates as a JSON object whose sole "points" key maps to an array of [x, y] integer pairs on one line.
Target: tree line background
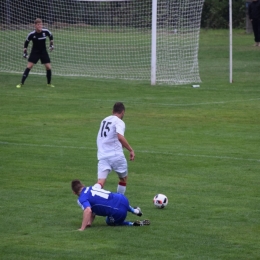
{"points": [[215, 13]]}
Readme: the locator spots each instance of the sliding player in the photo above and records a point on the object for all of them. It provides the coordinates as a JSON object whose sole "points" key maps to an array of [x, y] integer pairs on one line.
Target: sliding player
{"points": [[98, 202]]}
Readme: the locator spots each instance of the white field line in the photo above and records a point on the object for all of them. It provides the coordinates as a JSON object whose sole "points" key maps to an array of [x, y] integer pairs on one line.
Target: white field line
{"points": [[138, 151], [150, 103]]}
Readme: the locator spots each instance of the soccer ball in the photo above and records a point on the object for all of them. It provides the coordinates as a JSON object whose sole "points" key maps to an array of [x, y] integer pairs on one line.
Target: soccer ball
{"points": [[160, 201]]}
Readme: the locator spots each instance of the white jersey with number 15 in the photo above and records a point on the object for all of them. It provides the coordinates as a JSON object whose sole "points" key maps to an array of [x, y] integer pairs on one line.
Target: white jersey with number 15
{"points": [[107, 140]]}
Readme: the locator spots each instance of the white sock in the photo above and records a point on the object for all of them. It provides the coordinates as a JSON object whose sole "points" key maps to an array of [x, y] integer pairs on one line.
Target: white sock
{"points": [[136, 211], [98, 186], [121, 187]]}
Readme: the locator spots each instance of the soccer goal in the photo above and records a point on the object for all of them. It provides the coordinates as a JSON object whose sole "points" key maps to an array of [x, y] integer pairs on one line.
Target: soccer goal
{"points": [[150, 40]]}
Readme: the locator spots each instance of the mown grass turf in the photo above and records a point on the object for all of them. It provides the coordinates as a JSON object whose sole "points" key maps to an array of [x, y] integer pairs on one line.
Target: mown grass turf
{"points": [[199, 146]]}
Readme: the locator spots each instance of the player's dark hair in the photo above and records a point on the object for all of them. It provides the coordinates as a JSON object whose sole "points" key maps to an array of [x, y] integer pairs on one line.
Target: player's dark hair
{"points": [[76, 186], [118, 107]]}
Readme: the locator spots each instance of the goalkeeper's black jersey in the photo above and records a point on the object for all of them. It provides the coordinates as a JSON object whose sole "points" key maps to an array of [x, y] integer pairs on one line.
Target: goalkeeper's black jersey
{"points": [[38, 39]]}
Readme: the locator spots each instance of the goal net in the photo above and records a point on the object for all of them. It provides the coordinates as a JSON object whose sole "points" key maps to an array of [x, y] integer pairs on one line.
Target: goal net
{"points": [[106, 39]]}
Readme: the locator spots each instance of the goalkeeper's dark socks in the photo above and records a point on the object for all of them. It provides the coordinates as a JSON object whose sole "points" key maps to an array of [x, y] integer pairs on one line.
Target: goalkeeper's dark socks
{"points": [[48, 75], [25, 75]]}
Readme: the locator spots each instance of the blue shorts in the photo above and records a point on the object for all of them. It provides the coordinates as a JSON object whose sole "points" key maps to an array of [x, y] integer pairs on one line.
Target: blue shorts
{"points": [[117, 217]]}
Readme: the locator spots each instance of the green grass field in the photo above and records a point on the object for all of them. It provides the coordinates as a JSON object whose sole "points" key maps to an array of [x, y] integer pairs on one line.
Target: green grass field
{"points": [[199, 146]]}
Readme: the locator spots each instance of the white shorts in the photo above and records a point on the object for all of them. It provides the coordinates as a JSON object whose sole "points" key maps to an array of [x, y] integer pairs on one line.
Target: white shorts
{"points": [[117, 164]]}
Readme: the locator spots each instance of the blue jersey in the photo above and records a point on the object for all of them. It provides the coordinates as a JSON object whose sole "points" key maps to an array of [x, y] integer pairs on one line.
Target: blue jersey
{"points": [[102, 202]]}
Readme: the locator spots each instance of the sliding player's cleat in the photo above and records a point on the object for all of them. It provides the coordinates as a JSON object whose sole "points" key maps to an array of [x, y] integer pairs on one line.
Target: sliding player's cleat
{"points": [[139, 214], [145, 222]]}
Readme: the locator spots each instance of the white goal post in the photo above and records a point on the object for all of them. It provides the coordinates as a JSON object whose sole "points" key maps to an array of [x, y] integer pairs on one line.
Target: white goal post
{"points": [[148, 40], [230, 43]]}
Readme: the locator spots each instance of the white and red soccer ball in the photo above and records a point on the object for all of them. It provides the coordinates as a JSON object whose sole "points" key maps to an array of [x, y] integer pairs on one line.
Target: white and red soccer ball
{"points": [[160, 201]]}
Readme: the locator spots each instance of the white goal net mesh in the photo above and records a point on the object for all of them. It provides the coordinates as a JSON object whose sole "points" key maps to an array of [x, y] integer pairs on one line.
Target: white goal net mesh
{"points": [[106, 39]]}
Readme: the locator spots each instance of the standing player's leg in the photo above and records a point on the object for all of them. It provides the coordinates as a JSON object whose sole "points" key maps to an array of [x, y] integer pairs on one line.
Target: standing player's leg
{"points": [[48, 74], [33, 59], [121, 187], [103, 170], [255, 30], [26, 73], [119, 165], [45, 59], [258, 32]]}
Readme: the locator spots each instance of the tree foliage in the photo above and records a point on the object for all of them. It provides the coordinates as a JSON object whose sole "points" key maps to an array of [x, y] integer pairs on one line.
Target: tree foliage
{"points": [[216, 14]]}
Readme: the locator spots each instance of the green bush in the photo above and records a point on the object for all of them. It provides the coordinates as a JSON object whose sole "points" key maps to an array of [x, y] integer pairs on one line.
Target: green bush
{"points": [[215, 14]]}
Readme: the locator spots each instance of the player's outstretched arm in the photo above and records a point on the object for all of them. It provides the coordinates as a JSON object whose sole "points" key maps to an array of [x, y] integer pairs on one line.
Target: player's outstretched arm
{"points": [[126, 145], [26, 44], [93, 215], [51, 45], [87, 218], [25, 54]]}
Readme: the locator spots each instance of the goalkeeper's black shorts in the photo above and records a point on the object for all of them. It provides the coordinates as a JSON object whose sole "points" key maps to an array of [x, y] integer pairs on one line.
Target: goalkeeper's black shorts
{"points": [[35, 56]]}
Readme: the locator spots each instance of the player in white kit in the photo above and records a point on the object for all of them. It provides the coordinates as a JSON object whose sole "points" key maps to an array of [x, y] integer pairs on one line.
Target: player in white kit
{"points": [[110, 144]]}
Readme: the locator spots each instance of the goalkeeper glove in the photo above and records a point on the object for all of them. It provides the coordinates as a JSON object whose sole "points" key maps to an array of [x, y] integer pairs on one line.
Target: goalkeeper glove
{"points": [[25, 54], [51, 47]]}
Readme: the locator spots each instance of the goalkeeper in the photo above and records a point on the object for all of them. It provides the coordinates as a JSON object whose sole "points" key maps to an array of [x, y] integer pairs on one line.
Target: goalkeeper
{"points": [[39, 52]]}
